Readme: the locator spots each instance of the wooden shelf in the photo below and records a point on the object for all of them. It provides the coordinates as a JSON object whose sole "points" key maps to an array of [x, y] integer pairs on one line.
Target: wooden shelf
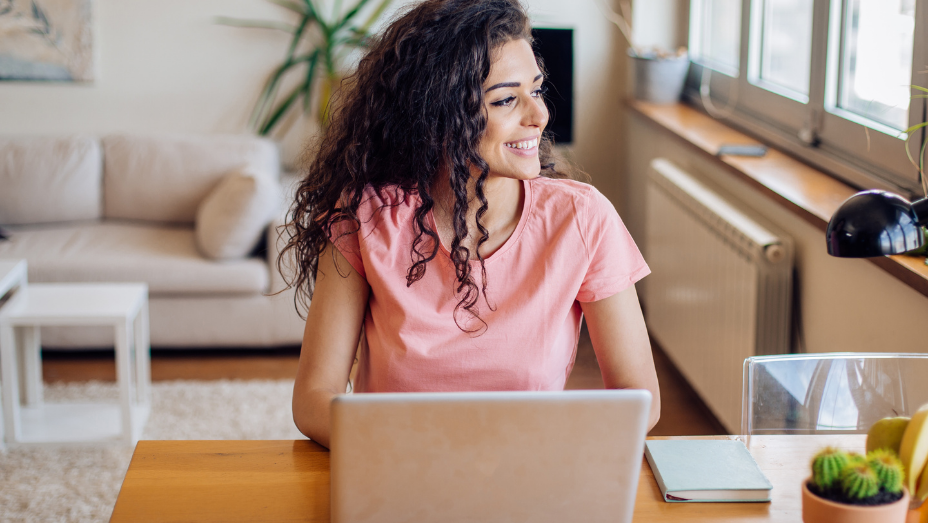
{"points": [[809, 193]]}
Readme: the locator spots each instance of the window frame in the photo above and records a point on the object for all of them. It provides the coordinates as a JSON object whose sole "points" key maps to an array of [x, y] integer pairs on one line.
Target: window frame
{"points": [[816, 131]]}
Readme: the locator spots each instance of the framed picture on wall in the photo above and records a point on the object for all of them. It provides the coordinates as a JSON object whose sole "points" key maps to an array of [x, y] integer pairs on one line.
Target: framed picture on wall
{"points": [[46, 40]]}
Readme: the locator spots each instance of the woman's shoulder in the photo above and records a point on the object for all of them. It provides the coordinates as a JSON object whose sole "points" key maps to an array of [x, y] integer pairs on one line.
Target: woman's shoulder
{"points": [[386, 208], [387, 195], [559, 193], [387, 198]]}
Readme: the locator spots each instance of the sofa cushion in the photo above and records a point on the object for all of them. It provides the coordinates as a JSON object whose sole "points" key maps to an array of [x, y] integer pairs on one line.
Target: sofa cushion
{"points": [[232, 218], [165, 257], [49, 179], [164, 178]]}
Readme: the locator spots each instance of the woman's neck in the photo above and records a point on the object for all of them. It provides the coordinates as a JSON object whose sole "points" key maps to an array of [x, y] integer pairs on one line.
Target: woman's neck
{"points": [[505, 198]]}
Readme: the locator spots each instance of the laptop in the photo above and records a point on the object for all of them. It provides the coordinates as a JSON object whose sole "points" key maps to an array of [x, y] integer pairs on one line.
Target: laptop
{"points": [[487, 456]]}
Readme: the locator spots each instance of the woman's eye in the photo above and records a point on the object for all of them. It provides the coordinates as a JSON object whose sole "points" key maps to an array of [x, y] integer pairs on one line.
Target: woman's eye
{"points": [[505, 102], [538, 93]]}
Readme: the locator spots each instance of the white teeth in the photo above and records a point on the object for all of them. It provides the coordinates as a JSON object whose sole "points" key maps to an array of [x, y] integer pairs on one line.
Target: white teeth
{"points": [[523, 145]]}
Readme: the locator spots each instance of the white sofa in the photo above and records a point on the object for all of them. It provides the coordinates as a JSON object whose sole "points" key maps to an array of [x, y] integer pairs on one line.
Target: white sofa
{"points": [[127, 208]]}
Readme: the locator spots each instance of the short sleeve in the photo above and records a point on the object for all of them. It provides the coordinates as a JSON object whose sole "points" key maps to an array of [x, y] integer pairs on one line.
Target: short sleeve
{"points": [[345, 238], [615, 263]]}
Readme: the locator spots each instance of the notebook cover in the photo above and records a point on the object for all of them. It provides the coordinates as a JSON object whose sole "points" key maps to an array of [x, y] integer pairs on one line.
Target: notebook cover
{"points": [[704, 465]]}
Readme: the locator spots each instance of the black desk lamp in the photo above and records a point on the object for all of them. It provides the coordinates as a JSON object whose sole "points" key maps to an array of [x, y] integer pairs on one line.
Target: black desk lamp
{"points": [[876, 223]]}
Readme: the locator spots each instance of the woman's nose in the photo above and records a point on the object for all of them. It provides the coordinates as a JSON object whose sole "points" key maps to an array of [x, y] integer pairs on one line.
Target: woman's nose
{"points": [[536, 114]]}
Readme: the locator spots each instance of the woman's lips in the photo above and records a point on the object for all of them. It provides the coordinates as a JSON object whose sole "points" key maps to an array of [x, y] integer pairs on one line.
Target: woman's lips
{"points": [[526, 148]]}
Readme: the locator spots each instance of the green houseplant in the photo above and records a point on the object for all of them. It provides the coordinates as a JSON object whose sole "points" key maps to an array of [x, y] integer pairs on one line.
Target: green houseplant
{"points": [[849, 488], [919, 164], [319, 49]]}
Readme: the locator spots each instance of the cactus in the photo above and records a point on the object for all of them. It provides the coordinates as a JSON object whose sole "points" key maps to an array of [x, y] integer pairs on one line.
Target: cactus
{"points": [[855, 458], [888, 469], [859, 481], [849, 477], [827, 466]]}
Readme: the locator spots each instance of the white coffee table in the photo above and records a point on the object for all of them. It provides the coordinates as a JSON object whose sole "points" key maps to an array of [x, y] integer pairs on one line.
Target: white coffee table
{"points": [[27, 419]]}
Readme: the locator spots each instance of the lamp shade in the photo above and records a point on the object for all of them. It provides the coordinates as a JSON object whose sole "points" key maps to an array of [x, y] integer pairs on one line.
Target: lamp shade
{"points": [[875, 223]]}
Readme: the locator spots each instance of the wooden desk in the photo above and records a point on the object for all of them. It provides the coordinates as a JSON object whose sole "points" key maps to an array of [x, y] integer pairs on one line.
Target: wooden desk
{"points": [[289, 481]]}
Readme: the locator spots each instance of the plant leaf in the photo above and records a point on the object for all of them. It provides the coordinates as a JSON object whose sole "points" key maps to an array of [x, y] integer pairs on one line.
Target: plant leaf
{"points": [[297, 8], [366, 26], [255, 24], [281, 110], [916, 127], [308, 84], [350, 14], [314, 14], [920, 163], [352, 41], [270, 90]]}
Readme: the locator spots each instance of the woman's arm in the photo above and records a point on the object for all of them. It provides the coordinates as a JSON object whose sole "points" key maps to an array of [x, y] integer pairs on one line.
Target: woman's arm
{"points": [[333, 329], [623, 350]]}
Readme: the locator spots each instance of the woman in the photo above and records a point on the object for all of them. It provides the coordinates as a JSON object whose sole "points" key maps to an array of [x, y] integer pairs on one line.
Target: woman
{"points": [[433, 216]]}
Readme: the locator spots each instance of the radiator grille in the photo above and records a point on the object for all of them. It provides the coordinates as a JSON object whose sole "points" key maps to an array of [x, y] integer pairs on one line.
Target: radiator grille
{"points": [[720, 288]]}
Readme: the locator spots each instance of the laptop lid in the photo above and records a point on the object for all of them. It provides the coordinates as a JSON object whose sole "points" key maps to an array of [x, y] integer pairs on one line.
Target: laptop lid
{"points": [[487, 456]]}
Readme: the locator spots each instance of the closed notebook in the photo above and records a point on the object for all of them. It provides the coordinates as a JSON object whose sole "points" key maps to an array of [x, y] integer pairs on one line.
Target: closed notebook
{"points": [[706, 471]]}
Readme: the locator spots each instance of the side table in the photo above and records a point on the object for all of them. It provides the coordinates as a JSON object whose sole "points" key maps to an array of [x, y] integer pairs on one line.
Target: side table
{"points": [[12, 277], [27, 419]]}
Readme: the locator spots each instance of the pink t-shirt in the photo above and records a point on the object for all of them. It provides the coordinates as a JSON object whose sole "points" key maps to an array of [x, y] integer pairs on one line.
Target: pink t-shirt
{"points": [[570, 246]]}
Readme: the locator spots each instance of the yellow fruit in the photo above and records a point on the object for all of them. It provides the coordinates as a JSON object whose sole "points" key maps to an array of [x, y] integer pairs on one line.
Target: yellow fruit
{"points": [[922, 493], [887, 434], [913, 451]]}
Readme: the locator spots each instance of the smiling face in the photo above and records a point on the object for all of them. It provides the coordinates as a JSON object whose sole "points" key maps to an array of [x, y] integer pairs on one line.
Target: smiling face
{"points": [[516, 113]]}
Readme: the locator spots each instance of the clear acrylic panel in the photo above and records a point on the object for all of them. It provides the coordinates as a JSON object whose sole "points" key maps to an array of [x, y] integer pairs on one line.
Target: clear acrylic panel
{"points": [[831, 392], [876, 68], [720, 32], [786, 44]]}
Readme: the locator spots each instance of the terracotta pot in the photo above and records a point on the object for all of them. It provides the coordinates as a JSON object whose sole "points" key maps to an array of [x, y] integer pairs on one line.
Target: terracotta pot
{"points": [[918, 515], [821, 510]]}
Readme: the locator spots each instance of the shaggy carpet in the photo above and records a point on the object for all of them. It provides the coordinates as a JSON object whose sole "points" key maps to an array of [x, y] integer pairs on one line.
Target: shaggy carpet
{"points": [[81, 483]]}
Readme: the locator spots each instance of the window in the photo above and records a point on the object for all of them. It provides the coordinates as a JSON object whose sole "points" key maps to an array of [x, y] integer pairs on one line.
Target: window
{"points": [[829, 80]]}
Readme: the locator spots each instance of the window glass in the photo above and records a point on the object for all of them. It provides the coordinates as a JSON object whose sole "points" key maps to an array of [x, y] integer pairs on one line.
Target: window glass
{"points": [[786, 45], [719, 37], [876, 67]]}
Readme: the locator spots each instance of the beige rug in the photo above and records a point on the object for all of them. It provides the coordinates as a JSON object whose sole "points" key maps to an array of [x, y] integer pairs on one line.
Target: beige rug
{"points": [[81, 484]]}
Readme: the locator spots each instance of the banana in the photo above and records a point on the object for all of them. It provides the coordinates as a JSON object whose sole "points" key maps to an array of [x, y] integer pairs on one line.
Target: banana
{"points": [[923, 489], [913, 451]]}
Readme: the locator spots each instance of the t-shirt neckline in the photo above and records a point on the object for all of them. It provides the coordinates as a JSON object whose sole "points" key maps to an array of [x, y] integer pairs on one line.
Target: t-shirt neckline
{"points": [[527, 207]]}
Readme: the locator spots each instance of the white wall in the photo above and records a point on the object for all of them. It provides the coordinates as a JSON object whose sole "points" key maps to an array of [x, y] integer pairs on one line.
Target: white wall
{"points": [[168, 67]]}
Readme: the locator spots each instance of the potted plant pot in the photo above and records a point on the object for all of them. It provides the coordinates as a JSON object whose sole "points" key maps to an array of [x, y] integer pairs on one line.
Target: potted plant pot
{"points": [[659, 76], [918, 514], [820, 510]]}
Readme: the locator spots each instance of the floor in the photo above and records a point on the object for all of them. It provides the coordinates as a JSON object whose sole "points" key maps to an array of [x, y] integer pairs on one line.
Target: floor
{"points": [[682, 412]]}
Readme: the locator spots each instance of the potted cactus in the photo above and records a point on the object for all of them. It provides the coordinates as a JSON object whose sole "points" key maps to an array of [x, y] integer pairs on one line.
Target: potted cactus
{"points": [[849, 487]]}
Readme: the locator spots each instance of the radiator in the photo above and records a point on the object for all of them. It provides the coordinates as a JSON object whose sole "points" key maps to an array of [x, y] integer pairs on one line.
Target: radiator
{"points": [[720, 286]]}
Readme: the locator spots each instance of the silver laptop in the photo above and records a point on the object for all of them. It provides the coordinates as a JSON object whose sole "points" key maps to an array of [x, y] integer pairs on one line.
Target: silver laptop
{"points": [[487, 456]]}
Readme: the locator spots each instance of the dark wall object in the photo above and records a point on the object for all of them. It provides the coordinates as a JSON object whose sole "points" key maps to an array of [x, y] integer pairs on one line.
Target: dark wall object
{"points": [[556, 48]]}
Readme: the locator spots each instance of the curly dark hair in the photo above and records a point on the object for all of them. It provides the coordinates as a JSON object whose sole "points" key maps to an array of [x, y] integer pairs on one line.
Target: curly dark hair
{"points": [[414, 107]]}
